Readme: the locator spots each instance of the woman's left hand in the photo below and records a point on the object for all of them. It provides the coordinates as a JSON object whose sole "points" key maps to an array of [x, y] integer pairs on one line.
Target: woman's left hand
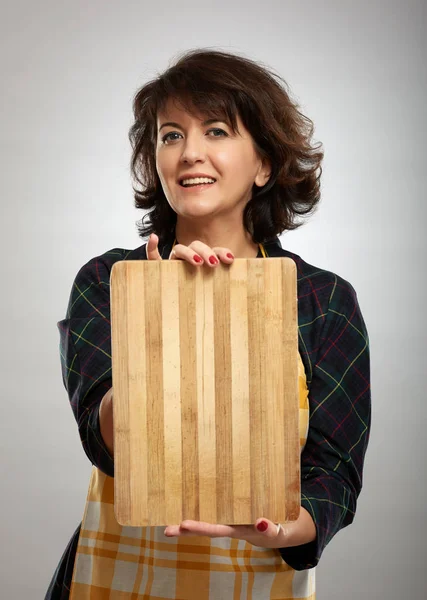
{"points": [[263, 533]]}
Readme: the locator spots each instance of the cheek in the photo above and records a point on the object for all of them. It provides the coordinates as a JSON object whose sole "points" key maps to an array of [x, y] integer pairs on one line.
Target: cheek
{"points": [[226, 162], [162, 167], [235, 157], [240, 165]]}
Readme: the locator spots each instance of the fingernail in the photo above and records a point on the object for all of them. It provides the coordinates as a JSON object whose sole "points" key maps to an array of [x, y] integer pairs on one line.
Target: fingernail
{"points": [[197, 259], [213, 260], [262, 526], [229, 255]]}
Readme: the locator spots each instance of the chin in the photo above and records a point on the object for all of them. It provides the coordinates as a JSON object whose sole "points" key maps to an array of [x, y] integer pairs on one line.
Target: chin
{"points": [[195, 209]]}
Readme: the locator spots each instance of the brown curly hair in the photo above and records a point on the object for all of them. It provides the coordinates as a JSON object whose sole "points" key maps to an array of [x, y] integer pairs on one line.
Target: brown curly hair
{"points": [[222, 85]]}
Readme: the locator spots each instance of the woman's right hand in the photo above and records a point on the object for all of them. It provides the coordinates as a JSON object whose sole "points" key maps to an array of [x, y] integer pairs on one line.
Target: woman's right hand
{"points": [[197, 253]]}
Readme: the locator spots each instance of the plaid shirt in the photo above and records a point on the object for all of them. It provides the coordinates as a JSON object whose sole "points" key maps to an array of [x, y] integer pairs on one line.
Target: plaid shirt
{"points": [[334, 347]]}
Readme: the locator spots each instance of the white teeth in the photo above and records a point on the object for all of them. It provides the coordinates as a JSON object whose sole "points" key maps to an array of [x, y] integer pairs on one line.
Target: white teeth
{"points": [[197, 180]]}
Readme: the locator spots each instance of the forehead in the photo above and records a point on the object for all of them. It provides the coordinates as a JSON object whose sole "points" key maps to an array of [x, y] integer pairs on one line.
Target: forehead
{"points": [[174, 109]]}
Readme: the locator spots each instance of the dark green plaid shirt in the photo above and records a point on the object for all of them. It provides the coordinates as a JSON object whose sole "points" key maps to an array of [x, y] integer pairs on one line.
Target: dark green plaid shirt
{"points": [[334, 347]]}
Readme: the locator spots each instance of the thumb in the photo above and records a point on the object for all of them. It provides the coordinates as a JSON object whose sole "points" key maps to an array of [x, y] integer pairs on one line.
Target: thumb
{"points": [[267, 528], [152, 248]]}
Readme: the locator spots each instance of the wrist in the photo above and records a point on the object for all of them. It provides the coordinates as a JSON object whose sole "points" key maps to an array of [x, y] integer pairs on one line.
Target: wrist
{"points": [[302, 531]]}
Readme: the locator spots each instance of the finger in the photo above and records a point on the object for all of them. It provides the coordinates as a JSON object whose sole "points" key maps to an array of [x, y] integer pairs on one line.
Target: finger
{"points": [[225, 255], [181, 252], [208, 255], [199, 528], [211, 256], [152, 248], [269, 529]]}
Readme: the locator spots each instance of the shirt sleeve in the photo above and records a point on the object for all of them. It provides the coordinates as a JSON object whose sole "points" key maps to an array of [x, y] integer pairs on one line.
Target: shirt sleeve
{"points": [[85, 348], [339, 424]]}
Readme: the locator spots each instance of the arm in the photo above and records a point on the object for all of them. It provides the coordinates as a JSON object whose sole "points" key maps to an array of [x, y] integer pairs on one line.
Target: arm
{"points": [[106, 421], [85, 343], [340, 410]]}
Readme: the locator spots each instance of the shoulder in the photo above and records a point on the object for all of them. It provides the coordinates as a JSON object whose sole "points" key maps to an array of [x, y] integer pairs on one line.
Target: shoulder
{"points": [[318, 286], [91, 285], [98, 268]]}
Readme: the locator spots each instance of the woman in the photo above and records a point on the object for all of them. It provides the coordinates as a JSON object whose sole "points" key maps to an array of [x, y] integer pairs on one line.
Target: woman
{"points": [[223, 163]]}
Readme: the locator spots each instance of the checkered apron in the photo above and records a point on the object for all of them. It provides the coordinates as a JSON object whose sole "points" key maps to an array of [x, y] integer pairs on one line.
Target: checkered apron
{"points": [[140, 563]]}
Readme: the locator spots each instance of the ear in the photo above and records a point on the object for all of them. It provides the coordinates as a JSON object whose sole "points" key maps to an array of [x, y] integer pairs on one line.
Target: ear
{"points": [[264, 173]]}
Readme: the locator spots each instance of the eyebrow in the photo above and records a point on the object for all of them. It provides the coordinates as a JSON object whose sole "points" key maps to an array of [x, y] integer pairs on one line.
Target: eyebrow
{"points": [[208, 122]]}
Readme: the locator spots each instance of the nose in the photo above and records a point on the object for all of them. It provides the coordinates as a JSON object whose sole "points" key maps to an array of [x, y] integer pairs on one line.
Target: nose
{"points": [[193, 149]]}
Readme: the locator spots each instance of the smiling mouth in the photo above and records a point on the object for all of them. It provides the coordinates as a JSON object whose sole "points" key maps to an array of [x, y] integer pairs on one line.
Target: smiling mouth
{"points": [[193, 185]]}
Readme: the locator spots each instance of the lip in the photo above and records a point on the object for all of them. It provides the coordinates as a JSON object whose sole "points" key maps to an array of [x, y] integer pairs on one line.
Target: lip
{"points": [[196, 188]]}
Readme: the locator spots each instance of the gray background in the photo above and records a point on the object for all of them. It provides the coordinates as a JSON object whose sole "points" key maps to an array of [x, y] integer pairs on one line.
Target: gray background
{"points": [[69, 71]]}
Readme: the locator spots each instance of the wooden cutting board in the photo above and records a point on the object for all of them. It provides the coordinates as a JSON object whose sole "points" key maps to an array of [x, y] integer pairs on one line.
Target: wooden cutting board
{"points": [[205, 379]]}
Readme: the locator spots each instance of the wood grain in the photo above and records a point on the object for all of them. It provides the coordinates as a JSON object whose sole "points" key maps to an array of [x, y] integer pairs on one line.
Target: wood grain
{"points": [[205, 379]]}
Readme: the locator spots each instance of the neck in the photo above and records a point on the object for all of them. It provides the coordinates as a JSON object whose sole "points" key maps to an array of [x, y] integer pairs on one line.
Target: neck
{"points": [[223, 235]]}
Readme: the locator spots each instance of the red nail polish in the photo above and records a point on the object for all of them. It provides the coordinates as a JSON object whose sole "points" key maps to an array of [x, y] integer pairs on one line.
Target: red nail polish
{"points": [[197, 259], [213, 260], [262, 526], [229, 255]]}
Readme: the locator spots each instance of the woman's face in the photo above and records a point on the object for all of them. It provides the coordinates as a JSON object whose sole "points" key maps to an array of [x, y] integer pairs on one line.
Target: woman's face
{"points": [[188, 145]]}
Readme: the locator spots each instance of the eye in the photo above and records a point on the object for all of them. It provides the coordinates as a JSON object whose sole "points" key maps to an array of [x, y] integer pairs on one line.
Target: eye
{"points": [[220, 130], [166, 138]]}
